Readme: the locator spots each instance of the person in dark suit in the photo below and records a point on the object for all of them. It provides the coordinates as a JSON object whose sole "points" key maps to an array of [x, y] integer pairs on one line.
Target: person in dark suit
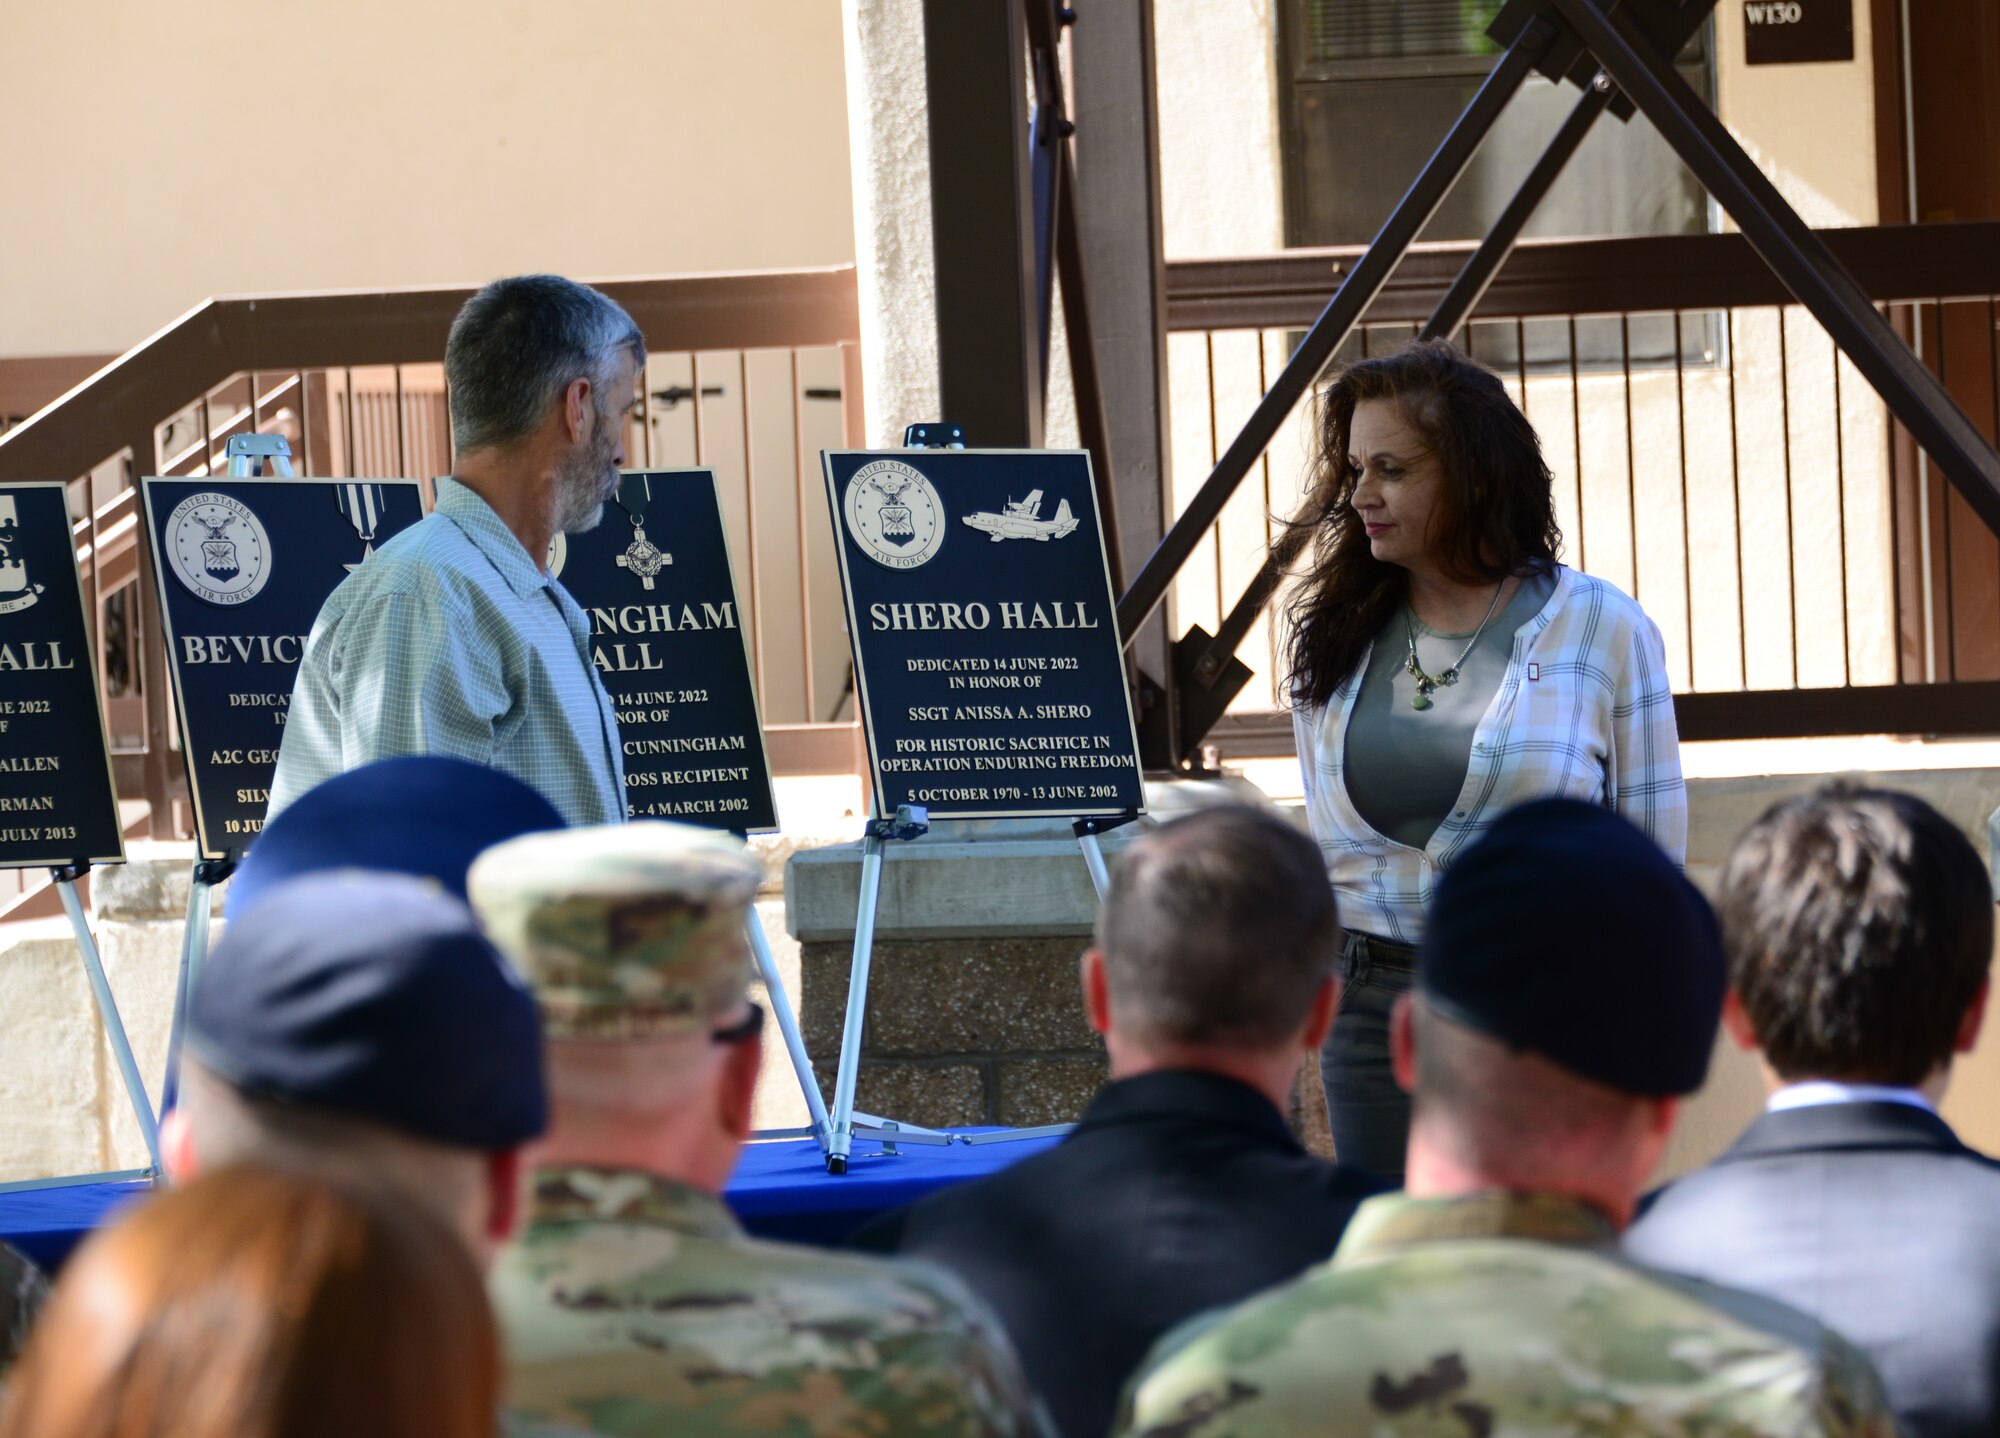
{"points": [[1182, 1188], [1859, 927]]}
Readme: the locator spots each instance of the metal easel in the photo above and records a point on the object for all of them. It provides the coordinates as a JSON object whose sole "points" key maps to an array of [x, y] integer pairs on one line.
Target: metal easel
{"points": [[912, 821], [65, 879], [821, 1129], [248, 456]]}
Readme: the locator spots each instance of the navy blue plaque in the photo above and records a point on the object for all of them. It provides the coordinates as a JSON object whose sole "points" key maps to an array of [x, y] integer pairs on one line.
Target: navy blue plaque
{"points": [[667, 638], [986, 648], [57, 801], [244, 566]]}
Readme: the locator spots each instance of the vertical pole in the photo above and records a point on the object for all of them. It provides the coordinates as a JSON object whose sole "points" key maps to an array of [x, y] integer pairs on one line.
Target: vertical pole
{"points": [[982, 217], [1117, 225], [1093, 860], [788, 1026], [841, 1134], [107, 1012], [194, 948]]}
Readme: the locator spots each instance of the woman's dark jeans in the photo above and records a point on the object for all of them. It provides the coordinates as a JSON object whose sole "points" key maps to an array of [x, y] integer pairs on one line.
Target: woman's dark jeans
{"points": [[1368, 1112]]}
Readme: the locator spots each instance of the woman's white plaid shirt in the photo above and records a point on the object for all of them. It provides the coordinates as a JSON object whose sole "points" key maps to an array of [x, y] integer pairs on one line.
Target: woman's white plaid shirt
{"points": [[1584, 711]]}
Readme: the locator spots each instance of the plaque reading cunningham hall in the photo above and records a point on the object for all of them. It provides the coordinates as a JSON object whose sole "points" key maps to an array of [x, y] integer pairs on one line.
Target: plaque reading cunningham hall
{"points": [[671, 645], [986, 651]]}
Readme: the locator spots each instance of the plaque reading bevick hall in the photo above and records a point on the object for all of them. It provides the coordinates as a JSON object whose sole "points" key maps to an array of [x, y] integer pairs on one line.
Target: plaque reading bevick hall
{"points": [[986, 649], [667, 637], [244, 566], [57, 801]]}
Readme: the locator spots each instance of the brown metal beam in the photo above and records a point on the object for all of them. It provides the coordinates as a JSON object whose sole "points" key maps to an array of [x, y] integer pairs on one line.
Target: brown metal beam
{"points": [[1563, 277]]}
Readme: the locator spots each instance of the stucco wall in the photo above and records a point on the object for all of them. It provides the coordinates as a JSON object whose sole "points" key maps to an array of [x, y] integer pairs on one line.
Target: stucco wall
{"points": [[164, 153]]}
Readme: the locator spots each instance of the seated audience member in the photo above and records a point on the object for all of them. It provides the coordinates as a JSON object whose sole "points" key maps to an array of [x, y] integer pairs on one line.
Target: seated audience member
{"points": [[425, 816], [1182, 1189], [359, 1025], [632, 1303], [22, 1292], [261, 1303], [1566, 994], [1859, 929]]}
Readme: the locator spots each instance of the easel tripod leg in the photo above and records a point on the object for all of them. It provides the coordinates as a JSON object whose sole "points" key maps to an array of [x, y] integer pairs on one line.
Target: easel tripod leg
{"points": [[114, 1026], [1093, 860], [788, 1026], [194, 948], [840, 1139]]}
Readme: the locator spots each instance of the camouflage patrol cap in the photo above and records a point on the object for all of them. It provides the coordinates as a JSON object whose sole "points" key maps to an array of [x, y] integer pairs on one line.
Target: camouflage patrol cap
{"points": [[622, 930]]}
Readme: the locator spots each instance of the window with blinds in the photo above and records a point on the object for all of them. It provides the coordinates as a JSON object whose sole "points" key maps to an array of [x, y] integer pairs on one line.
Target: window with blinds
{"points": [[1370, 87], [1337, 30]]}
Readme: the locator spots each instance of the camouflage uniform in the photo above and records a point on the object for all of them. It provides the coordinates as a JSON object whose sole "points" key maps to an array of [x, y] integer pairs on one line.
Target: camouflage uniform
{"points": [[634, 1304], [22, 1292], [1500, 1314]]}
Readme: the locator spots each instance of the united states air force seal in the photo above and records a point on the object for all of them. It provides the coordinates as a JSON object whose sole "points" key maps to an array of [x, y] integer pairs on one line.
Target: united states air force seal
{"points": [[894, 514], [218, 548]]}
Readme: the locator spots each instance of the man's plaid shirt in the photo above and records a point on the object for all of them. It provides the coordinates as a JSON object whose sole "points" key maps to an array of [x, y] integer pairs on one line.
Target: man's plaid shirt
{"points": [[450, 640], [1584, 711]]}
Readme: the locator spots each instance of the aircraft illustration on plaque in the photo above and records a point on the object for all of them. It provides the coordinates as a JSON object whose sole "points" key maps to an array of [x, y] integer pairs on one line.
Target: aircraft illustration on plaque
{"points": [[1020, 520]]}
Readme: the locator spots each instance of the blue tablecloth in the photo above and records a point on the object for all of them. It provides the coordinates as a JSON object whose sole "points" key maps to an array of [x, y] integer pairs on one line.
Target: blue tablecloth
{"points": [[781, 1190]]}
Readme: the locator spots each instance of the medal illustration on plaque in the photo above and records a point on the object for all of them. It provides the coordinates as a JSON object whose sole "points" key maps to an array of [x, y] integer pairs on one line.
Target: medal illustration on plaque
{"points": [[642, 557], [362, 505], [218, 548], [17, 590], [894, 514]]}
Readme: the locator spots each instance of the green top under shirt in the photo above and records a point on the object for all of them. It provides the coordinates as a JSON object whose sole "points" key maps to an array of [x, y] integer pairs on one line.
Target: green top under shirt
{"points": [[1405, 767]]}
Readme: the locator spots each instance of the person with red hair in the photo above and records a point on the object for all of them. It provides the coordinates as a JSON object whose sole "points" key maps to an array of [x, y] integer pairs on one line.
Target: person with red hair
{"points": [[260, 1303]]}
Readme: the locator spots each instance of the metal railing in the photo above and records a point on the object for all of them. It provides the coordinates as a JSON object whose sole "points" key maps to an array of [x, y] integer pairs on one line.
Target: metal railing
{"points": [[750, 373], [1713, 456]]}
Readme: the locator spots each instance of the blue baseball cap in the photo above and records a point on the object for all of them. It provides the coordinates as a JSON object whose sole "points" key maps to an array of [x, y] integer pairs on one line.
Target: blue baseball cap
{"points": [[426, 816], [375, 996]]}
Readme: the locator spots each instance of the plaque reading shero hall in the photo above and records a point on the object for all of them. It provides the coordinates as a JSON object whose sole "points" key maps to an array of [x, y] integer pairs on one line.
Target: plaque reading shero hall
{"points": [[57, 802], [244, 566], [667, 637], [986, 648]]}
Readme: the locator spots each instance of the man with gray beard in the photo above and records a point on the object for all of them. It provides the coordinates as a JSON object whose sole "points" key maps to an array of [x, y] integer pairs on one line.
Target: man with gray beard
{"points": [[453, 638]]}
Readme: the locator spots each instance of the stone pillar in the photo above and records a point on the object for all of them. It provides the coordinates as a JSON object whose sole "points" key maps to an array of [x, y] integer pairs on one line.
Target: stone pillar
{"points": [[975, 1015], [895, 272]]}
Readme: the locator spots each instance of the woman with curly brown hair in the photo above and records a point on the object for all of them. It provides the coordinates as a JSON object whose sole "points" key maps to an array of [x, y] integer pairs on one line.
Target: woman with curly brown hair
{"points": [[1444, 668], [258, 1303]]}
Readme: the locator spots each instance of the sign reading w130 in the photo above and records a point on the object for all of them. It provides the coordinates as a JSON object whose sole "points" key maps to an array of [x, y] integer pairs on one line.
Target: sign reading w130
{"points": [[986, 649], [1796, 32]]}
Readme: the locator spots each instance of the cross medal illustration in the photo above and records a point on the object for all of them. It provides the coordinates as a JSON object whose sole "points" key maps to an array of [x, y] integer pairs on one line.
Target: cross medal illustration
{"points": [[641, 556]]}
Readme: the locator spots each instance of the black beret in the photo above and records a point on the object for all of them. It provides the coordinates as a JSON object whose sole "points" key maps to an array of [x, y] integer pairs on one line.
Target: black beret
{"points": [[1566, 931], [375, 996], [424, 815]]}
